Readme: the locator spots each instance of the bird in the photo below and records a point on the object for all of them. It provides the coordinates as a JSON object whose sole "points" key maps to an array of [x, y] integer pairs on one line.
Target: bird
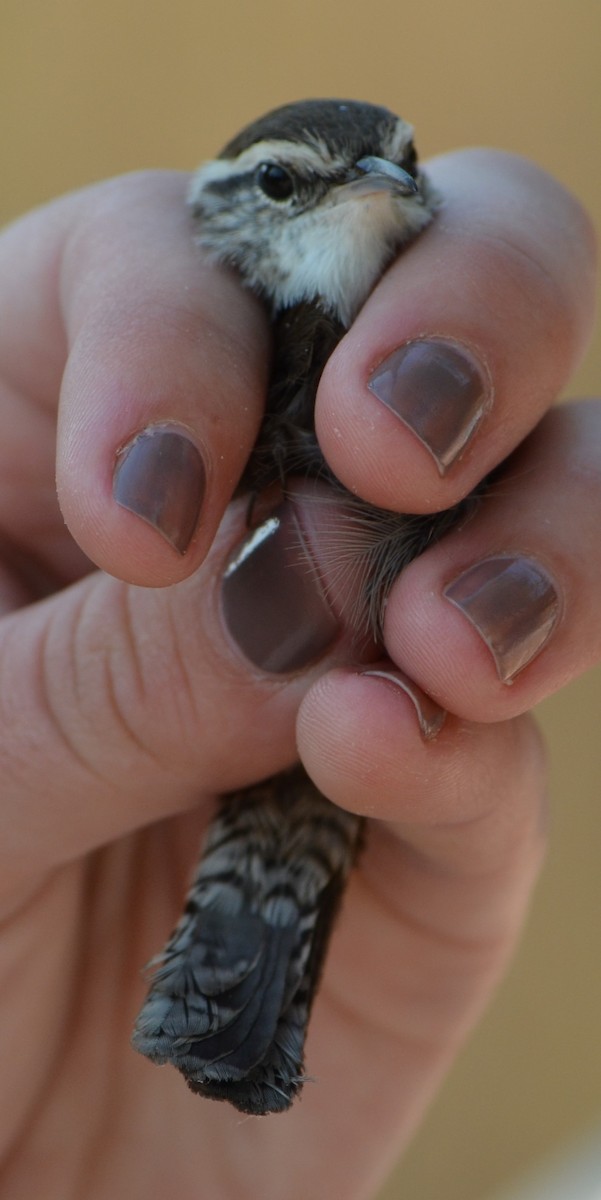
{"points": [[309, 204]]}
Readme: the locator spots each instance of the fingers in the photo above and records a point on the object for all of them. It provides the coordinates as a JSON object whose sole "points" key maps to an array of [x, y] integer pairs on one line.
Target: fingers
{"points": [[467, 340], [165, 375], [512, 598], [152, 675]]}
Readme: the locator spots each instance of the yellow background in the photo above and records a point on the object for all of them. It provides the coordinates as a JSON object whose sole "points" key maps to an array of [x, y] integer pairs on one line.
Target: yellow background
{"points": [[91, 88]]}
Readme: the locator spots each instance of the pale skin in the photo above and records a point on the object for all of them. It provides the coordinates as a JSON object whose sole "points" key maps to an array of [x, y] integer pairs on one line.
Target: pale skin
{"points": [[126, 710]]}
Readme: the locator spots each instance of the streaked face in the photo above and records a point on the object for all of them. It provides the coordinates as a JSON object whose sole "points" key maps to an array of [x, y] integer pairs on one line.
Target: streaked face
{"points": [[298, 215]]}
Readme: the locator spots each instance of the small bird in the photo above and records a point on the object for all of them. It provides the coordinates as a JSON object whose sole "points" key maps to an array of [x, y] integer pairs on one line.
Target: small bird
{"points": [[309, 204]]}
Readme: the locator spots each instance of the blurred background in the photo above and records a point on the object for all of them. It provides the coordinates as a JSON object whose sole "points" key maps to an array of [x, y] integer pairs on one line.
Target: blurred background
{"points": [[92, 89]]}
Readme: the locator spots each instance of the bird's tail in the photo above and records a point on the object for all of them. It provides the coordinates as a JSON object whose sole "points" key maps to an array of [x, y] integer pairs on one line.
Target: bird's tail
{"points": [[232, 990]]}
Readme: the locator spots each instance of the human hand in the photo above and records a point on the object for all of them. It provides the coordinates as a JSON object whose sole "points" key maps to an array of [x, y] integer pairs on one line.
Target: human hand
{"points": [[126, 701]]}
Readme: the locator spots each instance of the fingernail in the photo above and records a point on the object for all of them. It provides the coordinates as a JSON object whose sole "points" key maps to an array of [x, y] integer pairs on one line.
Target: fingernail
{"points": [[438, 390], [160, 476], [431, 716], [513, 605], [273, 602]]}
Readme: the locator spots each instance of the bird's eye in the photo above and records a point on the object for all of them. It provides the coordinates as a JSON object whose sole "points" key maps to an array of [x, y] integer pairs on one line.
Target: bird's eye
{"points": [[275, 181]]}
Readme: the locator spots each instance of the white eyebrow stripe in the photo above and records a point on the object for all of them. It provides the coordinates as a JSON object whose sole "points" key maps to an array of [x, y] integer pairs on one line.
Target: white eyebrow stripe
{"points": [[314, 156], [309, 157]]}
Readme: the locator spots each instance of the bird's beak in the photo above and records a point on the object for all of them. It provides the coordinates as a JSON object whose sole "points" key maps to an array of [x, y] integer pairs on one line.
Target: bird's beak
{"points": [[377, 175]]}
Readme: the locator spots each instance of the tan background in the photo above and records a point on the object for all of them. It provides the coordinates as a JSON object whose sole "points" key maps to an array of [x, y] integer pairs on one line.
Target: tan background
{"points": [[90, 89]]}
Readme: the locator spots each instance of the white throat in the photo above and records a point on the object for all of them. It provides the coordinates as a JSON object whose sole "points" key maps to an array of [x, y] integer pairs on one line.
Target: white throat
{"points": [[338, 251]]}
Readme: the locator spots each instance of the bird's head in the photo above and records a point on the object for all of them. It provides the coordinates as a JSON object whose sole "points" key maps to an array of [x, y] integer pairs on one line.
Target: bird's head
{"points": [[312, 201]]}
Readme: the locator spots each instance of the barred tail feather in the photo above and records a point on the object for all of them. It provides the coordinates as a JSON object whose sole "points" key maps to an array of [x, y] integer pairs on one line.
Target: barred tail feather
{"points": [[232, 991]]}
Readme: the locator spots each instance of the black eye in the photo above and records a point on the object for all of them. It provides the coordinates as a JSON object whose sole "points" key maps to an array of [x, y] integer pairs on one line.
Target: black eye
{"points": [[274, 181]]}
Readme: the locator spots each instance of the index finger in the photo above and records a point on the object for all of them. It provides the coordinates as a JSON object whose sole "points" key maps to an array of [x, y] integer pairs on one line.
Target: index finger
{"points": [[467, 340], [164, 361]]}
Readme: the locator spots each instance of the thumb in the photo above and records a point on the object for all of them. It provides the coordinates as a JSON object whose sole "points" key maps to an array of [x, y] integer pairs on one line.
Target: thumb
{"points": [[125, 704]]}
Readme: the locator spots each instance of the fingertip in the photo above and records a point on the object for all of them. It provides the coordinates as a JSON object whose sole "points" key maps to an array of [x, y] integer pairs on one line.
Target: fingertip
{"points": [[472, 799], [473, 629], [368, 738], [142, 513]]}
